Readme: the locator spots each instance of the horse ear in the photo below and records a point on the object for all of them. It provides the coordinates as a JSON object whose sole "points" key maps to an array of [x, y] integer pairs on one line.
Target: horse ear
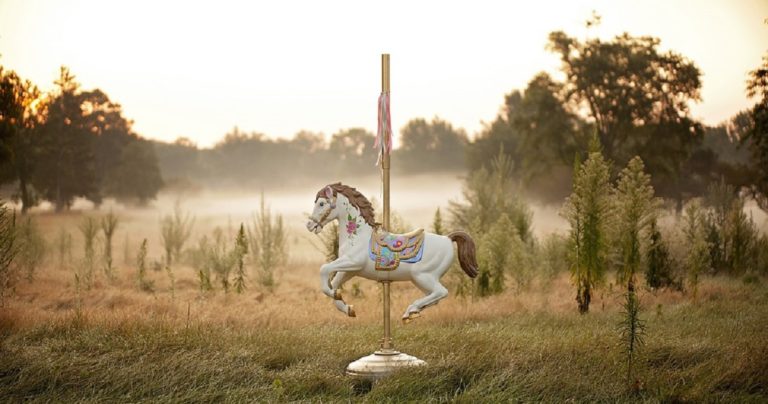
{"points": [[329, 193]]}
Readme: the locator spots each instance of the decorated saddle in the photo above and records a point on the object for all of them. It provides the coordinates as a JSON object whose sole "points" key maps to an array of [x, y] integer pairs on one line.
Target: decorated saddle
{"points": [[388, 250]]}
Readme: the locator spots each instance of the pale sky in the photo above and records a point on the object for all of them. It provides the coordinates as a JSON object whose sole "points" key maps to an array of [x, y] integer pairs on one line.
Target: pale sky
{"points": [[199, 68]]}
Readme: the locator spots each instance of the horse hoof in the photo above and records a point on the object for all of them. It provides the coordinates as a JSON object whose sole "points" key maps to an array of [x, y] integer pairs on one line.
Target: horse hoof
{"points": [[351, 311], [407, 320], [413, 315]]}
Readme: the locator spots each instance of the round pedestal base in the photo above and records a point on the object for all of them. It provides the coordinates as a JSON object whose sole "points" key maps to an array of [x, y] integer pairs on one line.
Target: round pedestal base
{"points": [[382, 363]]}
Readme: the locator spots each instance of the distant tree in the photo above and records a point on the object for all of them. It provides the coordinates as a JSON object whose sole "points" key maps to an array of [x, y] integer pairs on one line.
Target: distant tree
{"points": [[757, 132], [351, 148], [137, 175], [637, 98], [66, 164], [538, 132], [435, 145], [589, 210], [22, 113], [549, 133]]}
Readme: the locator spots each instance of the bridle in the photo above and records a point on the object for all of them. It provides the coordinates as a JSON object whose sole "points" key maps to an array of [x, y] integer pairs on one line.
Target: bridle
{"points": [[331, 206]]}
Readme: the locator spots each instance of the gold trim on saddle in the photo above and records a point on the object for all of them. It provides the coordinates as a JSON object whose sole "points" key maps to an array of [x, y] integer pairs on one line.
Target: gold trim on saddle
{"points": [[389, 249]]}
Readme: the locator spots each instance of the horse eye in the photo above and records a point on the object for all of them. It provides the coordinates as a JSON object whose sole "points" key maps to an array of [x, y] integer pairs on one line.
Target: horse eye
{"points": [[322, 203]]}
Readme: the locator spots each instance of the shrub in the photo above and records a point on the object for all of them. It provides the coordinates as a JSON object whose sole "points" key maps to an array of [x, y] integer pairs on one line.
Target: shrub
{"points": [[552, 255], [175, 231], [268, 244], [437, 223], [635, 211], [697, 257], [501, 251], [64, 247], [489, 194], [241, 249], [30, 248], [141, 265], [659, 265], [201, 263], [220, 259], [8, 251], [89, 229], [589, 210], [108, 227]]}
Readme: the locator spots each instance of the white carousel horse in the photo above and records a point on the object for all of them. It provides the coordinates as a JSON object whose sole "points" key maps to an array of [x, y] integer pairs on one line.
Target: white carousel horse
{"points": [[368, 251]]}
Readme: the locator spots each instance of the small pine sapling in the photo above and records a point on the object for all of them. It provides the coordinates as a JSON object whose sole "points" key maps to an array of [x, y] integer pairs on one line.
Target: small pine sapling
{"points": [[697, 258], [108, 226], [31, 248], [437, 223], [64, 247], [89, 228], [241, 249], [8, 251], [175, 230], [141, 265]]}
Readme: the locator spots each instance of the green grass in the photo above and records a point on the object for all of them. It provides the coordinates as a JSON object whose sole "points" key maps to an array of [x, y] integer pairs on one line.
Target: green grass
{"points": [[715, 350]]}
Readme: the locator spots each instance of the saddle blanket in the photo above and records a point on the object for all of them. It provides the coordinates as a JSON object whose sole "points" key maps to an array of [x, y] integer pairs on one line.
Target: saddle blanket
{"points": [[388, 250]]}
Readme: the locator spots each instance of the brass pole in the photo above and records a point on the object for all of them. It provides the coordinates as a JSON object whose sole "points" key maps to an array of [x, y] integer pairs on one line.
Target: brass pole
{"points": [[386, 344]]}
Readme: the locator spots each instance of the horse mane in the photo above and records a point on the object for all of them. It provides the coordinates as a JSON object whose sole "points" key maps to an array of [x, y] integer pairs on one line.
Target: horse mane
{"points": [[357, 199]]}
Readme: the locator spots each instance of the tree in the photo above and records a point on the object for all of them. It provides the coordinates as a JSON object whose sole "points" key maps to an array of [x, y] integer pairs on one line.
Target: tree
{"points": [[22, 113], [66, 166], [589, 211], [637, 98], [137, 175], [538, 132], [549, 134], [435, 145], [757, 133], [351, 148]]}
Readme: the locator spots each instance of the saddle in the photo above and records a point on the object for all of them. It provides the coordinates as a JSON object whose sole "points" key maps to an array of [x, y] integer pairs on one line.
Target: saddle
{"points": [[388, 250]]}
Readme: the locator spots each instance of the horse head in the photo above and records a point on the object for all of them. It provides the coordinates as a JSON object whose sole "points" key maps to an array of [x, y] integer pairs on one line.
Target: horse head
{"points": [[324, 211]]}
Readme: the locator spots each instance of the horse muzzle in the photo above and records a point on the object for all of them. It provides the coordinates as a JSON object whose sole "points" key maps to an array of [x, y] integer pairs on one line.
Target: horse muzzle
{"points": [[314, 226]]}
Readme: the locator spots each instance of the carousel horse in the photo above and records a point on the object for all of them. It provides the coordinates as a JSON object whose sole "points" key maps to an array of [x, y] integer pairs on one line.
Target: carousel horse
{"points": [[367, 250]]}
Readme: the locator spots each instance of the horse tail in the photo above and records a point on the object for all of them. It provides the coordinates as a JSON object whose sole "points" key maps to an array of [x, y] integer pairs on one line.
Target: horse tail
{"points": [[466, 247]]}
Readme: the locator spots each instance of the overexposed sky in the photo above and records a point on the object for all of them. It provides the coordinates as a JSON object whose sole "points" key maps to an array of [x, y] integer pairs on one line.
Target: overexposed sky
{"points": [[199, 68]]}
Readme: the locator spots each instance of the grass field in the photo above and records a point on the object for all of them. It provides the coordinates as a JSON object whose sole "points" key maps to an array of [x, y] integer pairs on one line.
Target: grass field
{"points": [[114, 343]]}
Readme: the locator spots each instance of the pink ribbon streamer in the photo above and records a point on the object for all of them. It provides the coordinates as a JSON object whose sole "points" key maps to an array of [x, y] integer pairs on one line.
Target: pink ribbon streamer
{"points": [[384, 131]]}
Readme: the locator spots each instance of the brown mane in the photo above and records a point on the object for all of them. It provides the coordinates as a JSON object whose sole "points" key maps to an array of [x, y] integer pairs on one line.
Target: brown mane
{"points": [[357, 200]]}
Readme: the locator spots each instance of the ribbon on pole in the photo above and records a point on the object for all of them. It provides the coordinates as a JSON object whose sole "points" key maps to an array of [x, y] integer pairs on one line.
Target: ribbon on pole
{"points": [[384, 131]]}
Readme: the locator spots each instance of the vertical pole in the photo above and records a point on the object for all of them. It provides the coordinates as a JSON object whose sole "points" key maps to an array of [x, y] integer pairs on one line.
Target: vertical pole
{"points": [[386, 344]]}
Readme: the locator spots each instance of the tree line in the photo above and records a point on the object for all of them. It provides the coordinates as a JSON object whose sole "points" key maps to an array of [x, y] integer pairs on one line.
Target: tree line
{"points": [[70, 143], [632, 96]]}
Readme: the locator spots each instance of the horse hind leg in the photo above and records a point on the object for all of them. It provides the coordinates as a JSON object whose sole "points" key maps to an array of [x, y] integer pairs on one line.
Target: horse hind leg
{"points": [[336, 283], [434, 291]]}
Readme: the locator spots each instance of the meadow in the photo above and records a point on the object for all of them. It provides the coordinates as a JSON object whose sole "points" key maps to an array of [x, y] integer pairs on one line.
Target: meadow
{"points": [[118, 342]]}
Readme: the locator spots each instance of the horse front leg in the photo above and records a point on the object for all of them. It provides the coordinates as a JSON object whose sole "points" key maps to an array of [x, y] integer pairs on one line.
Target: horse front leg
{"points": [[341, 265], [336, 283]]}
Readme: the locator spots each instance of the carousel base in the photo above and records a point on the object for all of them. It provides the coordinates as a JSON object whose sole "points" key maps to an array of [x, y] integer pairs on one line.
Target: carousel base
{"points": [[382, 363]]}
